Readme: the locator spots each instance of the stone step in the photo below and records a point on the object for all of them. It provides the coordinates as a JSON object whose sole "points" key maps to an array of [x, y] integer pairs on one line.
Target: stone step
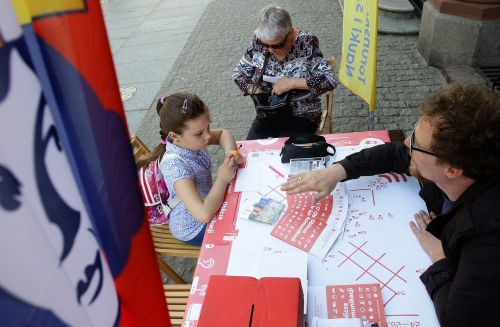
{"points": [[389, 25], [395, 8], [396, 14], [397, 17]]}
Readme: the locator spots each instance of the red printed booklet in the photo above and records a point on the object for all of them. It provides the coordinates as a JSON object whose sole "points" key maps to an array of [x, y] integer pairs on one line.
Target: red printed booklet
{"points": [[362, 301], [313, 228]]}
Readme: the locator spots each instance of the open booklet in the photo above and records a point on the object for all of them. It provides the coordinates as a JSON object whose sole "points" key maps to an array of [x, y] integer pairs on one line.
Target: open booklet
{"points": [[313, 228]]}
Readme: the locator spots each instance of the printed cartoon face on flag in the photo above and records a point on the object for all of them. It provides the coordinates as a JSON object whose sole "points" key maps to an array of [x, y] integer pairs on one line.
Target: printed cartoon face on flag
{"points": [[52, 264]]}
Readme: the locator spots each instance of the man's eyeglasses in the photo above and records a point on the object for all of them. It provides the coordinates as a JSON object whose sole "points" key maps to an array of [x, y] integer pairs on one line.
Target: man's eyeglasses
{"points": [[416, 148], [275, 46]]}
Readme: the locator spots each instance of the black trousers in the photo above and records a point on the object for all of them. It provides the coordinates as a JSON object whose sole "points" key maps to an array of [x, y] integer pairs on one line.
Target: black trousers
{"points": [[300, 126]]}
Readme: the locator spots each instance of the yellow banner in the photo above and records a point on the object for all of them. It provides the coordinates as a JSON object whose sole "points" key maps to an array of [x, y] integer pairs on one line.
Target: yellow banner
{"points": [[358, 66], [25, 9]]}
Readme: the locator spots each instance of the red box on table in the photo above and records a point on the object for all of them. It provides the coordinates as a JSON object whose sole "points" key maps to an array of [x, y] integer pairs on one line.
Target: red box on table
{"points": [[246, 301]]}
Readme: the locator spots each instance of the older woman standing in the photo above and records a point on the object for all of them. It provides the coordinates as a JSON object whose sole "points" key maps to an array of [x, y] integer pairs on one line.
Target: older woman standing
{"points": [[294, 63]]}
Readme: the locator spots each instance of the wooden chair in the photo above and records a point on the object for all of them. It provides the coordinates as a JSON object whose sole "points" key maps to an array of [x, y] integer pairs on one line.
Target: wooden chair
{"points": [[176, 297], [166, 244], [163, 240], [325, 126], [140, 149]]}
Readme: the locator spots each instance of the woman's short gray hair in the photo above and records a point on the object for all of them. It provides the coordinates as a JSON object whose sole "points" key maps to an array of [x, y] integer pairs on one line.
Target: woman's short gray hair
{"points": [[273, 23]]}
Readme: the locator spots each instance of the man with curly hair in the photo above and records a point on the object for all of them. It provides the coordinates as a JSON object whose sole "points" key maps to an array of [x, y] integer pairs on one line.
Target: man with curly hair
{"points": [[454, 151]]}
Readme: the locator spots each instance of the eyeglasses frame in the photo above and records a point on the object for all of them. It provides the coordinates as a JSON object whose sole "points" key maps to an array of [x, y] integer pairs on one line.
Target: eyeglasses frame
{"points": [[276, 46], [416, 148]]}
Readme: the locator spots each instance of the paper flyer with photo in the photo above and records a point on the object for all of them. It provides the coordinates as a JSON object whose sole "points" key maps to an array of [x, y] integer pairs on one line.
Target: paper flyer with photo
{"points": [[313, 228], [362, 301], [266, 210]]}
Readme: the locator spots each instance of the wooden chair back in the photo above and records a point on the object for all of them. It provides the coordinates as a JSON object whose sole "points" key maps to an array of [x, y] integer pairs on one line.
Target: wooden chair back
{"points": [[325, 126], [166, 244], [139, 148]]}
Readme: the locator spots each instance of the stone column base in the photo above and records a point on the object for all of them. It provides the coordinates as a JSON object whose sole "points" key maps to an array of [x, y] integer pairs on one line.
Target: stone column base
{"points": [[447, 40]]}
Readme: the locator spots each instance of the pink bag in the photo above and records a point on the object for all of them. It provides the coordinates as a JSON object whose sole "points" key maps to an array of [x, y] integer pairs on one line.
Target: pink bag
{"points": [[155, 194]]}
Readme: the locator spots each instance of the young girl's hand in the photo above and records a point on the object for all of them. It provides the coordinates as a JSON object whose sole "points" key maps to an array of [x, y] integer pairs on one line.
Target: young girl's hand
{"points": [[227, 170], [238, 158]]}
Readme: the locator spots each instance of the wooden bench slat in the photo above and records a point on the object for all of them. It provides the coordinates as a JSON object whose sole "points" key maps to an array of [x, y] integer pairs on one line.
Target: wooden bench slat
{"points": [[176, 314], [176, 300], [165, 243], [177, 287], [163, 235], [164, 247], [176, 322], [177, 307], [177, 294], [178, 253]]}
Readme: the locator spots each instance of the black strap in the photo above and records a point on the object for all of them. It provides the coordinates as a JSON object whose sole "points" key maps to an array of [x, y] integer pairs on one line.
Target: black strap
{"points": [[329, 146], [305, 138], [259, 79]]}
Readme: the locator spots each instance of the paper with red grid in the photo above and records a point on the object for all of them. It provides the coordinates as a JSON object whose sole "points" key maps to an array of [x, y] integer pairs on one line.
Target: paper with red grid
{"points": [[313, 228], [378, 246]]}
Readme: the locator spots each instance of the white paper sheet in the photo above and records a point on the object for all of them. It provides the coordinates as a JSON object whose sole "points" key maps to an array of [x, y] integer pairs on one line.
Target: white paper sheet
{"points": [[248, 179], [271, 79]]}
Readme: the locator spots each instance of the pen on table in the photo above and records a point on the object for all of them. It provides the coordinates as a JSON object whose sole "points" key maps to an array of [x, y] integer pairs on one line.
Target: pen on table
{"points": [[276, 171], [236, 152]]}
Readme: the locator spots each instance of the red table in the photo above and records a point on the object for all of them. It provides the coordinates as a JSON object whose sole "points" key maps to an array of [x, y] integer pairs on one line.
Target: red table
{"points": [[215, 251]]}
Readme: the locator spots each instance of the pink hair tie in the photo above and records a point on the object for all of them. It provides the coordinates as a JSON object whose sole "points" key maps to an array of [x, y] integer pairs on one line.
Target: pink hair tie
{"points": [[162, 99], [185, 106], [163, 141]]}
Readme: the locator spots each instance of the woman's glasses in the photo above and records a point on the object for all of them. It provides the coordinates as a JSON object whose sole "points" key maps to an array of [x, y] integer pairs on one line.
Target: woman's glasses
{"points": [[416, 148], [275, 46]]}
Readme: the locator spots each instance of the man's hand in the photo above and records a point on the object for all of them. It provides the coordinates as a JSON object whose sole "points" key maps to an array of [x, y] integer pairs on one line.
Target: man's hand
{"points": [[322, 181], [431, 245]]}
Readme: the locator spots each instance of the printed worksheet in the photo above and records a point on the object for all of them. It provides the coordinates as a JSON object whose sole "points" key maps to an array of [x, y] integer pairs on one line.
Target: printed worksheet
{"points": [[363, 301]]}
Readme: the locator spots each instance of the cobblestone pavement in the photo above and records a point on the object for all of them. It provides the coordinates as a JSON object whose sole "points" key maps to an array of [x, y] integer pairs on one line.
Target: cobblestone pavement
{"points": [[220, 38]]}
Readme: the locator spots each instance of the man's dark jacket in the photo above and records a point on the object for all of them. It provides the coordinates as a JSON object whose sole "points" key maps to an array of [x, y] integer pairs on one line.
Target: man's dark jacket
{"points": [[465, 286]]}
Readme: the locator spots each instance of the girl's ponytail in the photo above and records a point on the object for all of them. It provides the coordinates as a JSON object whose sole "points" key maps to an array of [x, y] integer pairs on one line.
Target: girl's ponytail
{"points": [[159, 150], [157, 153]]}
